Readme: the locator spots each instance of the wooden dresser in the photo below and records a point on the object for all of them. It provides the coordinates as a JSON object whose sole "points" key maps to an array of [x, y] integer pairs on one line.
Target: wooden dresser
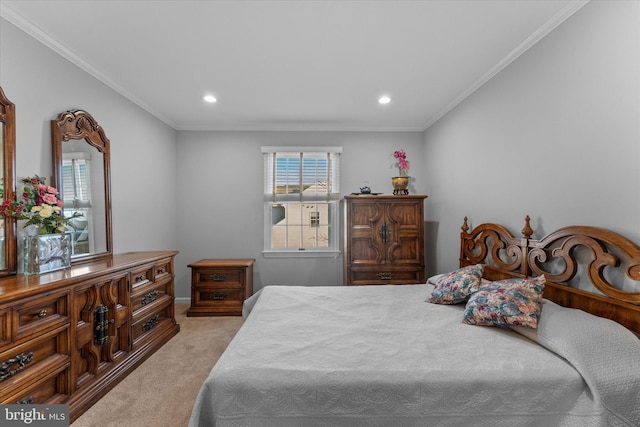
{"points": [[384, 239], [71, 335], [220, 286]]}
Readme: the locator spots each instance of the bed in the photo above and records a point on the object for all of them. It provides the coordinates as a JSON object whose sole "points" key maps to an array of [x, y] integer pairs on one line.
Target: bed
{"points": [[389, 356]]}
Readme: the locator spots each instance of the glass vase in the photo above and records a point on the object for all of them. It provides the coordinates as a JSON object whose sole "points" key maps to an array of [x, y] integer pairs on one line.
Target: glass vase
{"points": [[46, 252]]}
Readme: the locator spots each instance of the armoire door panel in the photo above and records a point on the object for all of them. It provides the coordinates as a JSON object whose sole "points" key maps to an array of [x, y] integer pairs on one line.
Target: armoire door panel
{"points": [[366, 251]]}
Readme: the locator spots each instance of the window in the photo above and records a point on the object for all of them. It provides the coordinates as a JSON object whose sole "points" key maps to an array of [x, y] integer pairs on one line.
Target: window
{"points": [[301, 191]]}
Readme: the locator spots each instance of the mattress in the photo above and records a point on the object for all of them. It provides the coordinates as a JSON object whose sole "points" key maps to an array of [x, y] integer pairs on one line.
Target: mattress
{"points": [[384, 356]]}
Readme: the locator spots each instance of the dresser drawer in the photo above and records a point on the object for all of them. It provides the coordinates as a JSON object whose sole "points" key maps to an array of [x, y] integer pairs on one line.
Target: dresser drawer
{"points": [[141, 276], [52, 389], [220, 277], [28, 362], [36, 315], [151, 322], [163, 269], [5, 328], [148, 294]]}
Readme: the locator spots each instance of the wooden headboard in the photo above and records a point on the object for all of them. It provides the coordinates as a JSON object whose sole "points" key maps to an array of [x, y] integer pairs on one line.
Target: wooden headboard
{"points": [[566, 257]]}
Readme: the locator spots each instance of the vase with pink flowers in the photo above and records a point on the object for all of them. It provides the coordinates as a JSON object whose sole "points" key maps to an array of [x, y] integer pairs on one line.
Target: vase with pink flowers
{"points": [[47, 245], [401, 182]]}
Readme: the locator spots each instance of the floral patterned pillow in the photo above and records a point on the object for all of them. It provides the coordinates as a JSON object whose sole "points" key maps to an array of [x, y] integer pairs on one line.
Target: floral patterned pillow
{"points": [[457, 286], [513, 302]]}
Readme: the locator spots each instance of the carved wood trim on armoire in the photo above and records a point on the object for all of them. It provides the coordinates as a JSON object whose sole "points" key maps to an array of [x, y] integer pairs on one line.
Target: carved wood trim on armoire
{"points": [[384, 239]]}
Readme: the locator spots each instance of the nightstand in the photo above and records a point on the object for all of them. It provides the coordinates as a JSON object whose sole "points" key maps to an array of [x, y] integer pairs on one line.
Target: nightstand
{"points": [[220, 286]]}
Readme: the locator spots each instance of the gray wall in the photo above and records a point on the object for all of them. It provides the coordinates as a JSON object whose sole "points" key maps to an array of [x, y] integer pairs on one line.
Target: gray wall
{"points": [[220, 177], [555, 135], [42, 84]]}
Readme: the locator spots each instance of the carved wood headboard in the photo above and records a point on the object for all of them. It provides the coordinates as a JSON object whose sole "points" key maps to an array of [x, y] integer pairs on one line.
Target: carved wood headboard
{"points": [[566, 257]]}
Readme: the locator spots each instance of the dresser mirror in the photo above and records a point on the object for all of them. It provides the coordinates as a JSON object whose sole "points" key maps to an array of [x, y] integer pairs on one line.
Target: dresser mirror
{"points": [[81, 172], [8, 243]]}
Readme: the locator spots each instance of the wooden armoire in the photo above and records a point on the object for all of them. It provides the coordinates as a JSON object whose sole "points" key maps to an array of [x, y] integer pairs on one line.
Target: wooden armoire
{"points": [[384, 239]]}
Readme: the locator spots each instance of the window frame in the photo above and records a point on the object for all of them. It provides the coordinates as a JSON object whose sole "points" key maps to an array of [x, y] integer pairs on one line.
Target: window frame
{"points": [[332, 198]]}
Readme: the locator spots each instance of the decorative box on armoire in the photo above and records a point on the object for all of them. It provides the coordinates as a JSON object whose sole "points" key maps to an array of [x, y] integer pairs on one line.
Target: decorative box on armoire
{"points": [[384, 239], [220, 286]]}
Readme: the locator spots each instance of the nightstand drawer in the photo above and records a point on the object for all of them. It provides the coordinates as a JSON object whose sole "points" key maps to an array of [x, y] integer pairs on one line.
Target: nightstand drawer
{"points": [[215, 296], [227, 278]]}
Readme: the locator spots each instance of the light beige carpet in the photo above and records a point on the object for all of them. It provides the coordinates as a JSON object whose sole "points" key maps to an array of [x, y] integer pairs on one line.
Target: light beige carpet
{"points": [[162, 390]]}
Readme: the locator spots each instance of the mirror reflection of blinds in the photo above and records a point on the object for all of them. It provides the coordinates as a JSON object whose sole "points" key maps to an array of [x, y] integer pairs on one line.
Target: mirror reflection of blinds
{"points": [[75, 183]]}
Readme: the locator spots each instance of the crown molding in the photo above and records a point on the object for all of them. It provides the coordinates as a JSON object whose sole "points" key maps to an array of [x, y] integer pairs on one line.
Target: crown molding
{"points": [[19, 21], [564, 14]]}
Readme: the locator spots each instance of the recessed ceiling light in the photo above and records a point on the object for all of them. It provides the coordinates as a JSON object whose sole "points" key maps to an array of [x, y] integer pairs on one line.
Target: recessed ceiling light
{"points": [[384, 100], [210, 98]]}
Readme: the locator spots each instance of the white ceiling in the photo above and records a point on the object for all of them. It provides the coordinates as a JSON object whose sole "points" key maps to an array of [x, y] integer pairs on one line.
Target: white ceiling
{"points": [[292, 65]]}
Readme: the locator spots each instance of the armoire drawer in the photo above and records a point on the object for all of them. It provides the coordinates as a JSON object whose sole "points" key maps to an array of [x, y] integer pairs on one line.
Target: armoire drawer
{"points": [[385, 276]]}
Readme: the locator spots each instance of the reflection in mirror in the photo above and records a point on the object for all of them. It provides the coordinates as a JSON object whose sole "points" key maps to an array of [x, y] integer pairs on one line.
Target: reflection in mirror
{"points": [[3, 257], [81, 174], [8, 243]]}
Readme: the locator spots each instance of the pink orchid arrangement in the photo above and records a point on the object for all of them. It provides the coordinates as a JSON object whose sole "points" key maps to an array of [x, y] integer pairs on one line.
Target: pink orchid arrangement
{"points": [[403, 163], [41, 207]]}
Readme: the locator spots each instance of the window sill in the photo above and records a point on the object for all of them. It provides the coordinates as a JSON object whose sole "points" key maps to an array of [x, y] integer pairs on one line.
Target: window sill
{"points": [[301, 254]]}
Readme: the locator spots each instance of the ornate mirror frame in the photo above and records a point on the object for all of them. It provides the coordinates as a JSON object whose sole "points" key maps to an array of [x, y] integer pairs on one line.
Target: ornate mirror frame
{"points": [[8, 147], [80, 125]]}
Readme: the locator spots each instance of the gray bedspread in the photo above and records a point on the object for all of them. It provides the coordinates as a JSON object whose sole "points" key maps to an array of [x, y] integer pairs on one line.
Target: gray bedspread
{"points": [[383, 356]]}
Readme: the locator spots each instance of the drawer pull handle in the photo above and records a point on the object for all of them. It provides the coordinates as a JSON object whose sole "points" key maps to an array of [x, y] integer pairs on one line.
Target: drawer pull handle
{"points": [[151, 323], [218, 295], [101, 331], [384, 276], [219, 277], [140, 278], [20, 361], [42, 313], [161, 270], [385, 233], [150, 297], [27, 401]]}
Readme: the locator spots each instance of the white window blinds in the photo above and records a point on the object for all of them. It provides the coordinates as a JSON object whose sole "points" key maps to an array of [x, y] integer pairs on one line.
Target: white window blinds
{"points": [[301, 173], [75, 180]]}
